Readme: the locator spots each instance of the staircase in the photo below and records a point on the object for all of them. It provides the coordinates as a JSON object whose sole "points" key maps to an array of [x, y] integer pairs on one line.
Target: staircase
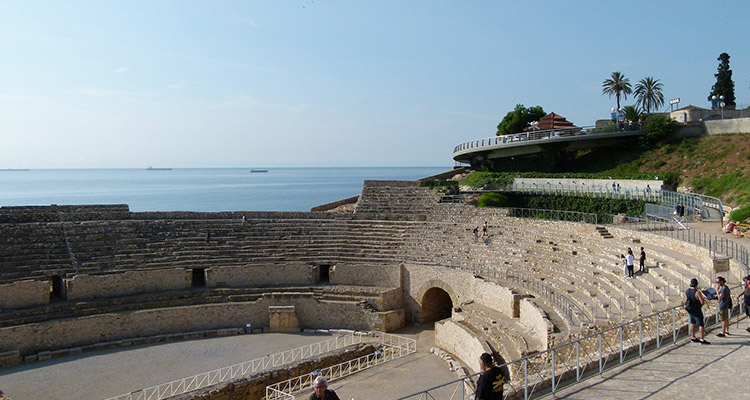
{"points": [[604, 233]]}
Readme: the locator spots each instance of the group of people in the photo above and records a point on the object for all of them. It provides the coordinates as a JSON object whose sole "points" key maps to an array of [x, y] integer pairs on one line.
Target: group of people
{"points": [[628, 263], [695, 299], [485, 232], [489, 385]]}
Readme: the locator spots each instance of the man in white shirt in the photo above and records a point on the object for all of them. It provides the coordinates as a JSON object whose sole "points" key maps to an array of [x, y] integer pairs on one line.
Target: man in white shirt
{"points": [[629, 263]]}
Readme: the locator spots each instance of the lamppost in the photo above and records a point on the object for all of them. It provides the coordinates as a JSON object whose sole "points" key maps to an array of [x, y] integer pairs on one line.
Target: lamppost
{"points": [[617, 116], [719, 101]]}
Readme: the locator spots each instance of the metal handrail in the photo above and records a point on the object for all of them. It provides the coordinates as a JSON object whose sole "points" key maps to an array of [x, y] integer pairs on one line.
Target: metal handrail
{"points": [[522, 137], [391, 347], [548, 371], [717, 246], [225, 374], [694, 202]]}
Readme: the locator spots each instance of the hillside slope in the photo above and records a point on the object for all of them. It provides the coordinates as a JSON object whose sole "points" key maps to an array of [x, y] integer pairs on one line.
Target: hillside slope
{"points": [[714, 165]]}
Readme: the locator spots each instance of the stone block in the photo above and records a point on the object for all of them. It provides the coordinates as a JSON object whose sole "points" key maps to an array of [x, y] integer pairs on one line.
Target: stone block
{"points": [[721, 264]]}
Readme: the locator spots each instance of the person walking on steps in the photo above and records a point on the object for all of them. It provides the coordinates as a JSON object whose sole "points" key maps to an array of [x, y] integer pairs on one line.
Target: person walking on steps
{"points": [[643, 261], [746, 303], [693, 305], [484, 229]]}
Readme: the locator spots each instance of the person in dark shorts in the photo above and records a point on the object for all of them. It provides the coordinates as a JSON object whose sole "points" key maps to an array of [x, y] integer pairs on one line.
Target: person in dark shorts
{"points": [[321, 392], [693, 305], [643, 261], [725, 304], [746, 293], [484, 229], [490, 384]]}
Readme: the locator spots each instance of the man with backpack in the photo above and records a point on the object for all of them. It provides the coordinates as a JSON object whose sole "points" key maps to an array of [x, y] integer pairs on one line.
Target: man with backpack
{"points": [[693, 305]]}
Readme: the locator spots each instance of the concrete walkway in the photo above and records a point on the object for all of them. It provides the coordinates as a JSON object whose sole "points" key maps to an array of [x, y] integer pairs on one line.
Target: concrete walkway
{"points": [[107, 373], [685, 370], [419, 371]]}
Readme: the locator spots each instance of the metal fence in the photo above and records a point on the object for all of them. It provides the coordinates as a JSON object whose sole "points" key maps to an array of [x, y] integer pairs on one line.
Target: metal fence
{"points": [[717, 246], [557, 215], [695, 204], [522, 137], [570, 309], [232, 372], [547, 372], [390, 347]]}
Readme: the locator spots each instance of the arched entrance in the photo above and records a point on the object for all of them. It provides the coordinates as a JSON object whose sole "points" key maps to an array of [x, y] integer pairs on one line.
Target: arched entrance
{"points": [[436, 305]]}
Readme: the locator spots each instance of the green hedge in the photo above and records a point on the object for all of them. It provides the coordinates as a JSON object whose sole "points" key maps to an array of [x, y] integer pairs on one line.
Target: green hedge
{"points": [[481, 179], [599, 206], [449, 187], [740, 214], [493, 200]]}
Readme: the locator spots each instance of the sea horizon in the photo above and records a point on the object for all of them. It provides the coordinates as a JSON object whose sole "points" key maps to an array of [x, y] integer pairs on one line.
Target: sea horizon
{"points": [[209, 189]]}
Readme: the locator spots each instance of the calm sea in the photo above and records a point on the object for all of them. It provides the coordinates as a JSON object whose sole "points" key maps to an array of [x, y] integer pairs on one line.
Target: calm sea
{"points": [[196, 189]]}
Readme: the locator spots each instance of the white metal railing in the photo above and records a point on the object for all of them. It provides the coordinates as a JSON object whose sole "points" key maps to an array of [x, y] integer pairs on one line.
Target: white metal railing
{"points": [[547, 372], [247, 368], [390, 347], [694, 203], [716, 245], [521, 137]]}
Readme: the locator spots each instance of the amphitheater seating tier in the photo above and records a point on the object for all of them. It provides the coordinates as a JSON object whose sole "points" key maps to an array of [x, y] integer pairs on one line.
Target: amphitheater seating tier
{"points": [[393, 223]]}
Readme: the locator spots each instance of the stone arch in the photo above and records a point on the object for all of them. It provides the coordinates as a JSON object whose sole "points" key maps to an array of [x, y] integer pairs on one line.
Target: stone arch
{"points": [[436, 299]]}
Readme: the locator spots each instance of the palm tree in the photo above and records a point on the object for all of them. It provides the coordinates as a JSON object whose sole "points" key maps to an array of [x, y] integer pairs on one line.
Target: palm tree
{"points": [[616, 85], [632, 113], [648, 92]]}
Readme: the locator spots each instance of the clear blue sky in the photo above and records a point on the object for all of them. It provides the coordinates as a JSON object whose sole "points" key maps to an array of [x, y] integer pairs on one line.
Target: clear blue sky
{"points": [[330, 83]]}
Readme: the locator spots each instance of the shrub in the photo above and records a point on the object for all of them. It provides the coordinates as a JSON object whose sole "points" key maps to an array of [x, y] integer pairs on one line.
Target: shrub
{"points": [[657, 128], [493, 200], [740, 214], [448, 187]]}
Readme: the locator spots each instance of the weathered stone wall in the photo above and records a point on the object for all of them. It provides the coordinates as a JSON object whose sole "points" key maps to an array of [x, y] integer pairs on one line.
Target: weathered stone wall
{"points": [[235, 215], [260, 275], [335, 204], [724, 126], [458, 340], [60, 334], [533, 317], [126, 283], [462, 286], [383, 275], [389, 321], [391, 299], [22, 294], [55, 213]]}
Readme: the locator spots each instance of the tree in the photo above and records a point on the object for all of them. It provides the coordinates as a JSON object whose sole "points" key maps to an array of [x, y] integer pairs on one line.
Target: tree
{"points": [[724, 85], [632, 113], [519, 119], [648, 93], [617, 85], [657, 127]]}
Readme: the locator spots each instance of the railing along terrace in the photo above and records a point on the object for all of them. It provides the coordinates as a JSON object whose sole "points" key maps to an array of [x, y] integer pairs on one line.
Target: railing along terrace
{"points": [[559, 215], [694, 203], [523, 137], [232, 372], [390, 347], [718, 246], [547, 372]]}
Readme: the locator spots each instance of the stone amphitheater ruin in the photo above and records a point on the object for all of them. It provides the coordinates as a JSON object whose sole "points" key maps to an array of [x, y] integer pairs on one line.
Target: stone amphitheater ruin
{"points": [[75, 277]]}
